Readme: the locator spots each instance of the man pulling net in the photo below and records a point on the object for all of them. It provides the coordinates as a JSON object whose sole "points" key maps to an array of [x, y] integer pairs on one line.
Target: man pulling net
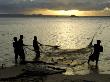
{"points": [[36, 48], [96, 52]]}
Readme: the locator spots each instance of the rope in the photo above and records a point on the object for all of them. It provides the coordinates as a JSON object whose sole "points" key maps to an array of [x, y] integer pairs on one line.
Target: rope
{"points": [[47, 45], [43, 47]]}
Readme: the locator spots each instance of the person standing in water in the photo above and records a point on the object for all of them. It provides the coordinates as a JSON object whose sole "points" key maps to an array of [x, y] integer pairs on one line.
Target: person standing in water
{"points": [[21, 49], [15, 45], [36, 47], [97, 49]]}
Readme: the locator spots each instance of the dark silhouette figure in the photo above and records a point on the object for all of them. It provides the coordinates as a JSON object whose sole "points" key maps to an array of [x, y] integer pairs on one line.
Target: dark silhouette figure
{"points": [[36, 47], [21, 49], [97, 49], [15, 45]]}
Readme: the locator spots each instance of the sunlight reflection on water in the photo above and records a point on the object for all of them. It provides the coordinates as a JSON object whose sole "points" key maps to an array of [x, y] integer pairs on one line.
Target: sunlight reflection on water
{"points": [[68, 33]]}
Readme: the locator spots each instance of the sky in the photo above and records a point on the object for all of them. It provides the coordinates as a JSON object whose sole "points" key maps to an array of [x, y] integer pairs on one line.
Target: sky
{"points": [[57, 7]]}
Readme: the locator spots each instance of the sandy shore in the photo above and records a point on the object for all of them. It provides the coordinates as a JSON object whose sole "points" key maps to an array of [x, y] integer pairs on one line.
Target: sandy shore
{"points": [[64, 78], [14, 71], [79, 78]]}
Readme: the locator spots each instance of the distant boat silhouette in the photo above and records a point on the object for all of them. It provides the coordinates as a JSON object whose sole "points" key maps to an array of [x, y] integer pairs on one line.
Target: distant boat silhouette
{"points": [[73, 16]]}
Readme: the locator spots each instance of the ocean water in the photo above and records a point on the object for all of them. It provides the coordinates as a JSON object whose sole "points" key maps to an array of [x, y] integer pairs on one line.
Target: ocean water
{"points": [[68, 33]]}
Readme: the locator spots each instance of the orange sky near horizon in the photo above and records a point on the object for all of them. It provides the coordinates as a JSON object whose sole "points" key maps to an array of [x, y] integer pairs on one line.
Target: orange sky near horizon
{"points": [[105, 12]]}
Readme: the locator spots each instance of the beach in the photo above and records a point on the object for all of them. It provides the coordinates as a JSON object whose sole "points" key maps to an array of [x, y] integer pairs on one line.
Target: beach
{"points": [[71, 35], [10, 75]]}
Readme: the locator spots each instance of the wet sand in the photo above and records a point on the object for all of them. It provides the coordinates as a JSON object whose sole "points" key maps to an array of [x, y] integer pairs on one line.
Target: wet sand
{"points": [[93, 76], [79, 78]]}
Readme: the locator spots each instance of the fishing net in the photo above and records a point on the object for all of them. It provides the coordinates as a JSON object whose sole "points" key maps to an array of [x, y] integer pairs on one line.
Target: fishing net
{"points": [[54, 53], [44, 49]]}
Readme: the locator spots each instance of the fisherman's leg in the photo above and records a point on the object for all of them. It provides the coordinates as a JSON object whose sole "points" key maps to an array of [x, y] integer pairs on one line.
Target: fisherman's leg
{"points": [[16, 57], [36, 51], [20, 55], [22, 60], [97, 59], [89, 59], [38, 54], [96, 62], [23, 57]]}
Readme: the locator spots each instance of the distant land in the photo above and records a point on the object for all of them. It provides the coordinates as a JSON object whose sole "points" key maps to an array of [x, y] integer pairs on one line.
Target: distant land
{"points": [[33, 15], [40, 15]]}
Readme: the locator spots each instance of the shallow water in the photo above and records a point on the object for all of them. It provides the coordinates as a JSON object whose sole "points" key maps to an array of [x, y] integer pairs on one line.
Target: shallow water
{"points": [[68, 33]]}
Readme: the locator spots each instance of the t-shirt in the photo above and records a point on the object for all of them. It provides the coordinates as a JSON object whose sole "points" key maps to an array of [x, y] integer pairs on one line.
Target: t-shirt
{"points": [[98, 48]]}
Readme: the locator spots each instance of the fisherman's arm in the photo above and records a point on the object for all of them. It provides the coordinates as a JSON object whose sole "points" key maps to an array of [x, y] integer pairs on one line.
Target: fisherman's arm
{"points": [[39, 43], [13, 44], [25, 45]]}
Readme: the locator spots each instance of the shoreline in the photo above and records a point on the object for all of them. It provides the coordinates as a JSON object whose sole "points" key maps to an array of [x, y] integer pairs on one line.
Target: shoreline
{"points": [[14, 72]]}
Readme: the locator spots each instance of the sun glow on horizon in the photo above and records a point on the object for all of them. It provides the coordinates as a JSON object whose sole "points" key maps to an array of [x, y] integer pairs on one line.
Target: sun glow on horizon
{"points": [[56, 12], [104, 12], [68, 12]]}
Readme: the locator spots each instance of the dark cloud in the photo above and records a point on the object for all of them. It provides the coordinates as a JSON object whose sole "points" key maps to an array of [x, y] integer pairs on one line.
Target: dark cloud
{"points": [[16, 6]]}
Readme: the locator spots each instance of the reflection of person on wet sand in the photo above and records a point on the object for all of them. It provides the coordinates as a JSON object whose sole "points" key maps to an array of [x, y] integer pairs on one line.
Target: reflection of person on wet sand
{"points": [[97, 49]]}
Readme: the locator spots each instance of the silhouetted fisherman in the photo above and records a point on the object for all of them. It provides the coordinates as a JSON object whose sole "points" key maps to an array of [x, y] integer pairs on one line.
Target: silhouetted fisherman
{"points": [[97, 49], [36, 47], [21, 49], [15, 45]]}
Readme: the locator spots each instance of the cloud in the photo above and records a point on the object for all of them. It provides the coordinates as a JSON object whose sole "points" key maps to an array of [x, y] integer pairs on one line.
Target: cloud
{"points": [[16, 6]]}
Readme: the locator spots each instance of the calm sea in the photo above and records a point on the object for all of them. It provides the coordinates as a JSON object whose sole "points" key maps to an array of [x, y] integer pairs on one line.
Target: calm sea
{"points": [[68, 33]]}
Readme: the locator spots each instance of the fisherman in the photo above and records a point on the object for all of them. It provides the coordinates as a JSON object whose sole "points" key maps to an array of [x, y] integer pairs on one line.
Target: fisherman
{"points": [[15, 45], [36, 47], [21, 49], [96, 52]]}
